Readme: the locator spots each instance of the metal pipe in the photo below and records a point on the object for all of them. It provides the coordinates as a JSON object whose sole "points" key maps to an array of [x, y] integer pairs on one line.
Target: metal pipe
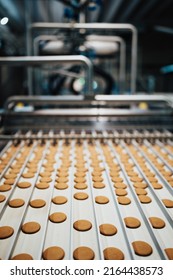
{"points": [[39, 60], [95, 26]]}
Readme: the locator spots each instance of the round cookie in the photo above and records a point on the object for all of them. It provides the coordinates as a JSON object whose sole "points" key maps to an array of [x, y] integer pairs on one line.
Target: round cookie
{"points": [[79, 174], [95, 174], [120, 186], [80, 186], [9, 181], [61, 186], [10, 176], [83, 253], [112, 253], [31, 227], [140, 191], [117, 179], [42, 186], [15, 203], [140, 185], [144, 198], [59, 200], [157, 186], [62, 180], [24, 185], [97, 179], [37, 203], [169, 253], [82, 225], [157, 222], [80, 196], [57, 217], [136, 179], [124, 200], [132, 222], [142, 248], [5, 188], [101, 199], [98, 185], [120, 192], [22, 256], [28, 175], [107, 229], [168, 203], [53, 253], [2, 198], [6, 231], [45, 180], [80, 180]]}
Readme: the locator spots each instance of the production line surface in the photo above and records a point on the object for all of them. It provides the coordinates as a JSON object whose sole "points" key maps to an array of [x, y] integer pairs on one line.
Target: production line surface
{"points": [[86, 200]]}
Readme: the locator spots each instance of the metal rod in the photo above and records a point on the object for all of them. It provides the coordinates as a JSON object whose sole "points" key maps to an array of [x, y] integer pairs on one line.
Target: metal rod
{"points": [[53, 60], [95, 26]]}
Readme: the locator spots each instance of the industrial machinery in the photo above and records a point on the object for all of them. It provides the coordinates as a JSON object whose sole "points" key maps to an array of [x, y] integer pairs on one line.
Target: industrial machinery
{"points": [[85, 176]]}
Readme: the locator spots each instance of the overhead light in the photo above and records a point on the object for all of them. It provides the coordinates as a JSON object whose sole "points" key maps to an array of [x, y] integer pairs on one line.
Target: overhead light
{"points": [[4, 21]]}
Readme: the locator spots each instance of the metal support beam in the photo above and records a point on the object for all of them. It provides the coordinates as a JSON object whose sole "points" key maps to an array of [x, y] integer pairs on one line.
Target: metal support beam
{"points": [[53, 60]]}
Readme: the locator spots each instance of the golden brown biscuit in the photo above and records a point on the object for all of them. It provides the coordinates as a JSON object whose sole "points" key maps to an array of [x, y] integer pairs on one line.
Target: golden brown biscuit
{"points": [[49, 169], [112, 253], [123, 200], [53, 253], [83, 253], [22, 256], [98, 185], [152, 179], [157, 186], [101, 199], [169, 253], [62, 180], [79, 174], [80, 180], [142, 248], [107, 229], [132, 173], [59, 200], [80, 186], [120, 186], [120, 192], [57, 217], [117, 179], [46, 180], [5, 188], [28, 175], [31, 227], [82, 225], [82, 169], [97, 179], [37, 203], [95, 174], [45, 174], [24, 185], [168, 203], [140, 191], [157, 222], [10, 176], [63, 173], [136, 179], [42, 186], [15, 203], [61, 186], [80, 196], [9, 181], [2, 198], [6, 231], [132, 222], [140, 185], [144, 198]]}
